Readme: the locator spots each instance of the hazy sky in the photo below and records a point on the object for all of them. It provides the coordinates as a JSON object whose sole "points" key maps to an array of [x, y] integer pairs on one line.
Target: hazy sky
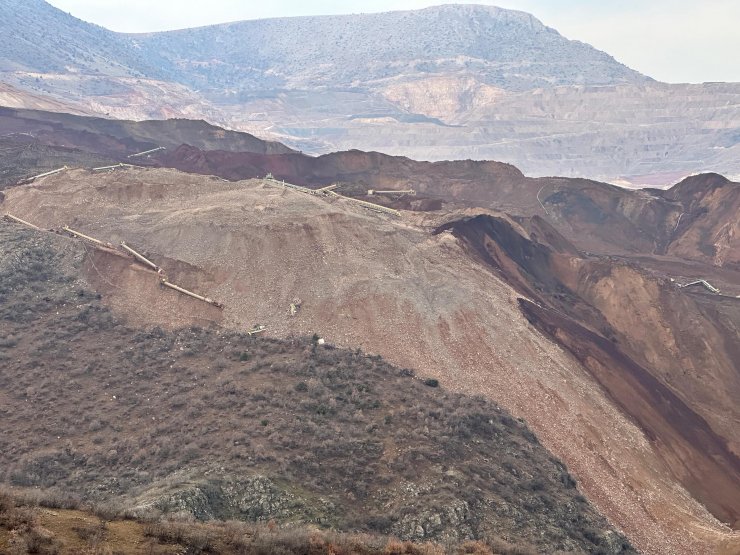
{"points": [[670, 40]]}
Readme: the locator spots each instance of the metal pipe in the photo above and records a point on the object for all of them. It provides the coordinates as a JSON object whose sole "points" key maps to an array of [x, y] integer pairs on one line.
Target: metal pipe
{"points": [[47, 174], [190, 293], [86, 237], [24, 222], [702, 282], [366, 204], [329, 191], [257, 329], [107, 168], [141, 258], [147, 152], [115, 167], [401, 192], [291, 186]]}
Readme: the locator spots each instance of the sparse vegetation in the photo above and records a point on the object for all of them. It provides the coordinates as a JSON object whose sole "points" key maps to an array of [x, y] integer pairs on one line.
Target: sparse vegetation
{"points": [[25, 527]]}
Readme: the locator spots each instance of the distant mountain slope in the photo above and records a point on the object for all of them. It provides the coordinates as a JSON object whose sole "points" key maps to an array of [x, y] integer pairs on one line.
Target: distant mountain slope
{"points": [[16, 98], [508, 49], [36, 37]]}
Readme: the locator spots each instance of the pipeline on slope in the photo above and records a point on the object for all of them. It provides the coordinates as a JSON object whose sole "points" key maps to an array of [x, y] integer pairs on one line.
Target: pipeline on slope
{"points": [[151, 151], [46, 174], [329, 191], [17, 220]]}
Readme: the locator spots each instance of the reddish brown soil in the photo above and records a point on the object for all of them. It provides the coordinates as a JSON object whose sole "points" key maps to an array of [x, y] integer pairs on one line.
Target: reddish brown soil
{"points": [[697, 455]]}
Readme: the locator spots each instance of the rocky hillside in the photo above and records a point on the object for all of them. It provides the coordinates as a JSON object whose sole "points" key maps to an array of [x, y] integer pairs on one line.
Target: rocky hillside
{"points": [[50, 525], [222, 425], [37, 37], [509, 49], [43, 524]]}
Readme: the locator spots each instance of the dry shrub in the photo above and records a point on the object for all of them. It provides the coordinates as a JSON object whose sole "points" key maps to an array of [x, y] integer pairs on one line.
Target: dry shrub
{"points": [[53, 499], [501, 547], [13, 517], [6, 503], [39, 541], [474, 548], [197, 538], [93, 534], [395, 547]]}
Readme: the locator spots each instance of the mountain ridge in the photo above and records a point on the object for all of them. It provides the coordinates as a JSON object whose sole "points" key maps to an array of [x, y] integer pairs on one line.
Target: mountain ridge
{"points": [[513, 50], [296, 431], [506, 44]]}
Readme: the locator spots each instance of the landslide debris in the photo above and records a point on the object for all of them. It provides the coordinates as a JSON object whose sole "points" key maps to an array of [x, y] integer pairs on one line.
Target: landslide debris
{"points": [[709, 222], [694, 220], [223, 425], [374, 283], [628, 329]]}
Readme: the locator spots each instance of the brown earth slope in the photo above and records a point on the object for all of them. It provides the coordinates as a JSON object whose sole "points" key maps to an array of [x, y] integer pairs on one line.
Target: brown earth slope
{"points": [[710, 219], [395, 288], [109, 136], [222, 425], [683, 339], [695, 220]]}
